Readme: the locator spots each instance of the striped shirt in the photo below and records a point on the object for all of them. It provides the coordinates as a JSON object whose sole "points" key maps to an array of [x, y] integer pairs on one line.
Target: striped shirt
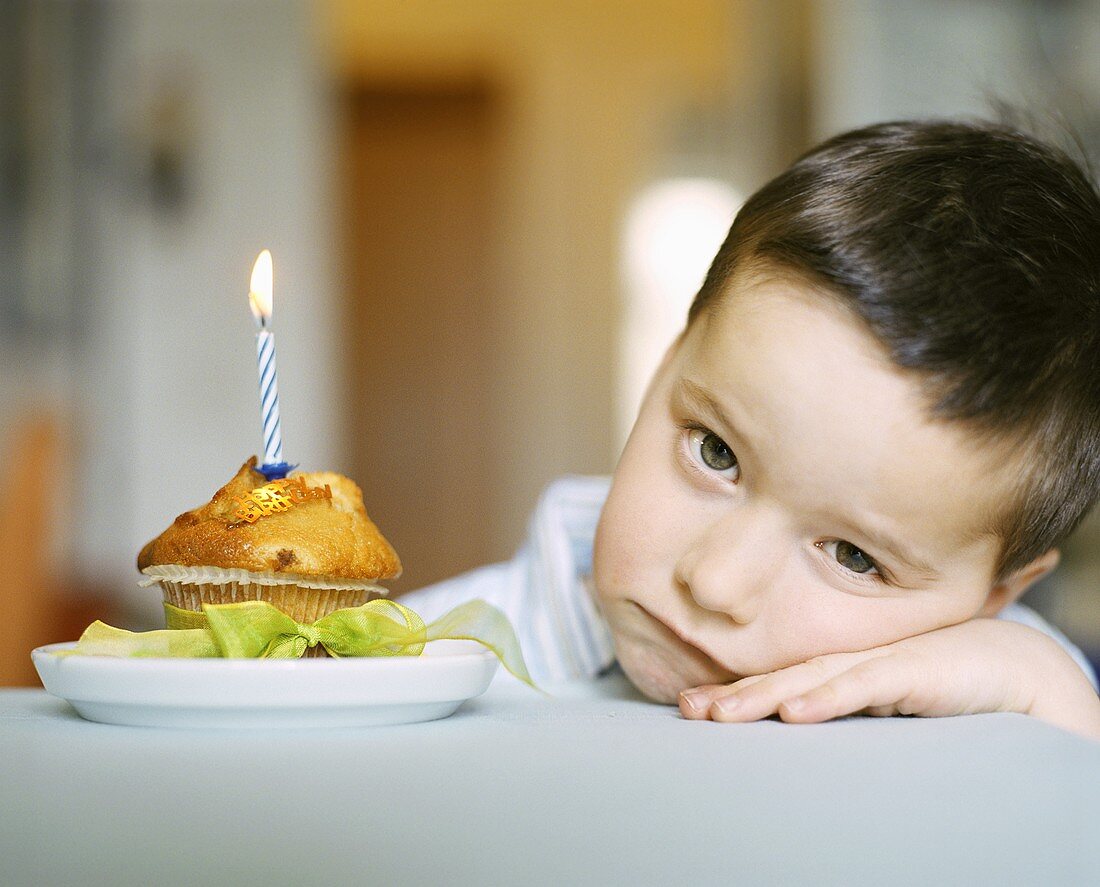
{"points": [[546, 592]]}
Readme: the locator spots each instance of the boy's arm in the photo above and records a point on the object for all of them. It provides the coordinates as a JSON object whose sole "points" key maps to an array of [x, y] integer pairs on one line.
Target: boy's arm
{"points": [[1021, 613], [492, 583], [982, 665], [541, 590]]}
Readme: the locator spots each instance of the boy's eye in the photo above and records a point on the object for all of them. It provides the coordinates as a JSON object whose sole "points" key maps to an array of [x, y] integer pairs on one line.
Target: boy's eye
{"points": [[713, 452], [851, 558]]}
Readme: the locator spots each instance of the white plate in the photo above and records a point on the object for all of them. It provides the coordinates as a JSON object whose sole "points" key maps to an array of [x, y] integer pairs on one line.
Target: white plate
{"points": [[279, 693]]}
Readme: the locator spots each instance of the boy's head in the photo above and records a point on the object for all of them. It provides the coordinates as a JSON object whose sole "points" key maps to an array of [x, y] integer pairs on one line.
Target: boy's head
{"points": [[882, 417]]}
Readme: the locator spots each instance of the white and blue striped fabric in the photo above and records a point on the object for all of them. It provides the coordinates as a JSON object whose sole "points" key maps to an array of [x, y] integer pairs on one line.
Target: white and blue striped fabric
{"points": [[545, 593], [542, 590]]}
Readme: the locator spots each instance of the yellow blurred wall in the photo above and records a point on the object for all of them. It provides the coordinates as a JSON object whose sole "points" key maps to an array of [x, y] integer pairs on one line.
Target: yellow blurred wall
{"points": [[588, 89]]}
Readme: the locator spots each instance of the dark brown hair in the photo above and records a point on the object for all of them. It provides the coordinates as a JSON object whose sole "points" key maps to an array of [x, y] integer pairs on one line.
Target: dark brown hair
{"points": [[971, 250]]}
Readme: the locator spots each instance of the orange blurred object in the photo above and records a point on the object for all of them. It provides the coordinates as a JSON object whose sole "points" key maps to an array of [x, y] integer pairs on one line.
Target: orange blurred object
{"points": [[35, 608]]}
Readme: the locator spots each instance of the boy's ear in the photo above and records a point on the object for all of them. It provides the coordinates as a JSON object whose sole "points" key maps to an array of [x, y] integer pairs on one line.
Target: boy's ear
{"points": [[1010, 590]]}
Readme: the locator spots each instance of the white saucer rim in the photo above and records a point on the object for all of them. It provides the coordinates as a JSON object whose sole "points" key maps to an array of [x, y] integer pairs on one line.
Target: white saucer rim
{"points": [[185, 691], [438, 659]]}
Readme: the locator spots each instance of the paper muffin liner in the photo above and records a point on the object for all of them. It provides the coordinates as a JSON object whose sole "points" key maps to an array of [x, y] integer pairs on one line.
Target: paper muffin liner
{"points": [[303, 598]]}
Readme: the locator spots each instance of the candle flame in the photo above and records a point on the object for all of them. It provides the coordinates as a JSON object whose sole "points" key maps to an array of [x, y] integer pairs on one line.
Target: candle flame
{"points": [[259, 291]]}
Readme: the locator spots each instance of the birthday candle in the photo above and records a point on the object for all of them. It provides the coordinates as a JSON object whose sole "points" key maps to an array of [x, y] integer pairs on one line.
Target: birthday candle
{"points": [[260, 301], [269, 397]]}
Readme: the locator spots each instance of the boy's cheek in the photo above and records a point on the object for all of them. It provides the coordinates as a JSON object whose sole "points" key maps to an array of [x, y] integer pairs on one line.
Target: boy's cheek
{"points": [[612, 557], [635, 538], [626, 566]]}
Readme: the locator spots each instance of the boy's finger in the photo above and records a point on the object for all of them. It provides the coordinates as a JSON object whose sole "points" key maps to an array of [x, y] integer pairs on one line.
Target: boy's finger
{"points": [[878, 683], [762, 699], [695, 702]]}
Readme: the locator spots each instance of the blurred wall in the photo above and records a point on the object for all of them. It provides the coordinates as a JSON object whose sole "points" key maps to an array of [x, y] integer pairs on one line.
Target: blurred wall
{"points": [[199, 137], [193, 134], [588, 91]]}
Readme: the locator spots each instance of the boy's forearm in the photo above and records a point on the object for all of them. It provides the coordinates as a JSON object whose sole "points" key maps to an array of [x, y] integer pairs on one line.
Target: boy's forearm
{"points": [[1080, 716], [981, 665], [1064, 696]]}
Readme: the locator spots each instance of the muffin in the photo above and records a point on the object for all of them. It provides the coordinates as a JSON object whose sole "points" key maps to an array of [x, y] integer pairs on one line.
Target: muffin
{"points": [[304, 544]]}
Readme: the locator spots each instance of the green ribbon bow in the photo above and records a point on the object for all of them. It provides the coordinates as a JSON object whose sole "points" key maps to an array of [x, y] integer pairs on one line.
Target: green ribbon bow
{"points": [[258, 630]]}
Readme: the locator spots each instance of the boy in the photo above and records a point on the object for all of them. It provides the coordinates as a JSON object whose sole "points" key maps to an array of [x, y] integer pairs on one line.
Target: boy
{"points": [[882, 418]]}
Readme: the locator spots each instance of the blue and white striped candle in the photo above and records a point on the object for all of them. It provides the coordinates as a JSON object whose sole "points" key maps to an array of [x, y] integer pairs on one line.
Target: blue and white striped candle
{"points": [[260, 301]]}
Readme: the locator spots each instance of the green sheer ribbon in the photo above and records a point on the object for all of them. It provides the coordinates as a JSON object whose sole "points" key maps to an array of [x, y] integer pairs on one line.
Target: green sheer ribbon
{"points": [[258, 630]]}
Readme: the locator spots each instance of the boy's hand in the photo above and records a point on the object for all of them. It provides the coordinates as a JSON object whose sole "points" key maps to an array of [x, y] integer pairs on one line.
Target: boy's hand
{"points": [[977, 666]]}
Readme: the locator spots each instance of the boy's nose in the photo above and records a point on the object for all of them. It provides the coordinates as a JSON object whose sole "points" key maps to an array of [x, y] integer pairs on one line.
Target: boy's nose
{"points": [[730, 565]]}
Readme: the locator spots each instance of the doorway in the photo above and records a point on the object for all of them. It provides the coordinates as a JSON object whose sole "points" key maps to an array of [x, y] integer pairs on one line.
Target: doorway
{"points": [[417, 218]]}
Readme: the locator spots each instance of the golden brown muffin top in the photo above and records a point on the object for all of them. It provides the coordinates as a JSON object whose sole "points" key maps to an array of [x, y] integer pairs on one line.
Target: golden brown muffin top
{"points": [[319, 537]]}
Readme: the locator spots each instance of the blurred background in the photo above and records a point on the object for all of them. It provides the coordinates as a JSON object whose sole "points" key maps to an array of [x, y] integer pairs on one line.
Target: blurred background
{"points": [[487, 217]]}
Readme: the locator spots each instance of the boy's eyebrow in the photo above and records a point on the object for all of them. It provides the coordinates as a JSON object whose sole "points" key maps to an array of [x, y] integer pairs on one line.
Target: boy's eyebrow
{"points": [[707, 402], [899, 554]]}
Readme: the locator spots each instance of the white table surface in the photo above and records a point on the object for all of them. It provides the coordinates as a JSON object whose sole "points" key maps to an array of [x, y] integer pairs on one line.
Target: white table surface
{"points": [[596, 786]]}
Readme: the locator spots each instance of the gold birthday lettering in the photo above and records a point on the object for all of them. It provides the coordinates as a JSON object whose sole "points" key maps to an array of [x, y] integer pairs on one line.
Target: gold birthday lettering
{"points": [[276, 496], [271, 498], [296, 489], [249, 510]]}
